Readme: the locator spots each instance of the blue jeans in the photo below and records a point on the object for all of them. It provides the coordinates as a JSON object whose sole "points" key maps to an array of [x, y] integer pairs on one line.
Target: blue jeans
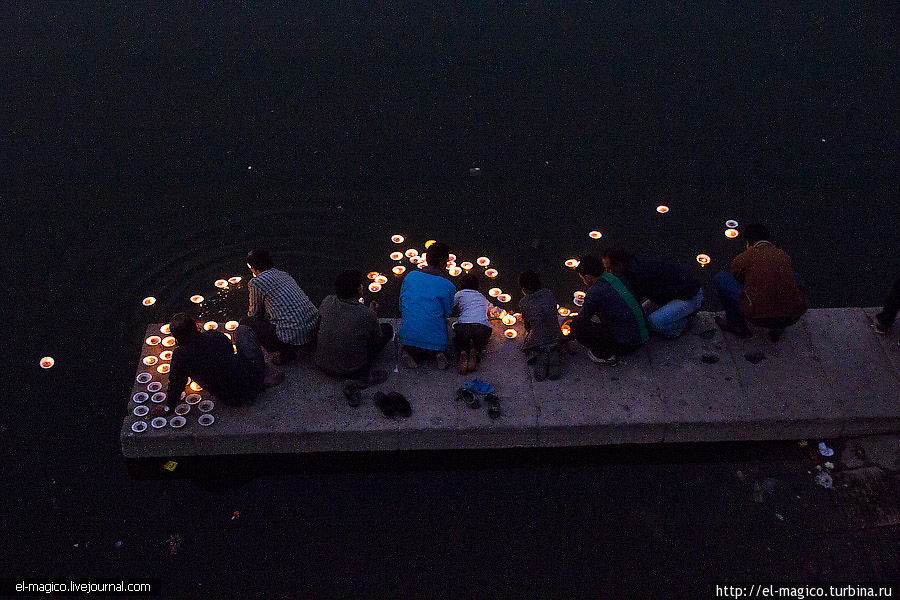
{"points": [[729, 290], [670, 319]]}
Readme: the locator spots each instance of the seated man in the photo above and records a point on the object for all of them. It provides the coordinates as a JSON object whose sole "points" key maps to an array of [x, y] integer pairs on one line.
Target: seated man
{"points": [[280, 313], [208, 358], [426, 300], [621, 327], [885, 319], [350, 336], [675, 293], [761, 288]]}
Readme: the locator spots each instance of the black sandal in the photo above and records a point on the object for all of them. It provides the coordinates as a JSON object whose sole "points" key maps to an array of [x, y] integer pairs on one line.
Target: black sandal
{"points": [[468, 397], [493, 405], [399, 404], [385, 404], [353, 394]]}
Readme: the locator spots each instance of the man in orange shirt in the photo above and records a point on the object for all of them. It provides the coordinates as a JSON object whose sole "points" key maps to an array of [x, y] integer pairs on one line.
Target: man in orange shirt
{"points": [[761, 288]]}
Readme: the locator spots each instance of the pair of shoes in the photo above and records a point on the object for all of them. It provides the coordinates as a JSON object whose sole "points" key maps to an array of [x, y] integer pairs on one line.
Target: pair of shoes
{"points": [[462, 365], [440, 360], [467, 396], [775, 334], [408, 361], [554, 364], [879, 328], [493, 405], [726, 326], [352, 391], [393, 404], [611, 361]]}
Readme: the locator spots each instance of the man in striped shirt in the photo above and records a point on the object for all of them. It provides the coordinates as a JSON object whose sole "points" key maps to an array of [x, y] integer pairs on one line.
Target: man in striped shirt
{"points": [[280, 312]]}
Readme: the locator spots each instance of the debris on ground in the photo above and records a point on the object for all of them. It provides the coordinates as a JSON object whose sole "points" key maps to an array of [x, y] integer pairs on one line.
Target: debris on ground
{"points": [[235, 515], [754, 357], [174, 544], [802, 443], [170, 465], [825, 450], [829, 465], [824, 479], [779, 516]]}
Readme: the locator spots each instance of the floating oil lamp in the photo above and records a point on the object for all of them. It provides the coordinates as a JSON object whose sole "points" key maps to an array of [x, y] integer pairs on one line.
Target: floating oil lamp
{"points": [[490, 273], [578, 301], [162, 369], [210, 325], [510, 333], [234, 280], [572, 263], [429, 243], [579, 295], [662, 209], [221, 283], [467, 266], [47, 362], [518, 316], [396, 256], [562, 310], [231, 325], [381, 279], [731, 233], [422, 264], [509, 320], [703, 259], [452, 257], [494, 292], [483, 261], [196, 298], [451, 263], [372, 275], [504, 297], [415, 260], [374, 287], [165, 329], [731, 223], [454, 271], [596, 235], [411, 252], [196, 387], [165, 355], [153, 340], [168, 341], [148, 301], [399, 270], [566, 327], [149, 360], [397, 238]]}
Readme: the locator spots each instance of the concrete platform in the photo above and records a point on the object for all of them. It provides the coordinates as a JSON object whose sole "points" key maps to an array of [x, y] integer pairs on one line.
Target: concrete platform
{"points": [[828, 376]]}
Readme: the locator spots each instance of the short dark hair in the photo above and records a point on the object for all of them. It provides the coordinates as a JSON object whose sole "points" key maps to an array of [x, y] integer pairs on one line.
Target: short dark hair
{"points": [[530, 281], [437, 255], [469, 281], [260, 259], [618, 260], [183, 327], [346, 285], [756, 232], [590, 265]]}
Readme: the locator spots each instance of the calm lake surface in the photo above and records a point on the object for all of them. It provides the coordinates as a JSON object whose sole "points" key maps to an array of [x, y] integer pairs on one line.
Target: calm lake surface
{"points": [[146, 149]]}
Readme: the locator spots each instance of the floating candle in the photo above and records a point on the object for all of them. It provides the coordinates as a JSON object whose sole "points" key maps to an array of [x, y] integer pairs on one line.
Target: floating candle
{"points": [[703, 259], [429, 243], [494, 292], [454, 271], [399, 270], [572, 263], [466, 265], [504, 297], [196, 298], [168, 341], [231, 325], [731, 233], [221, 283], [579, 294], [451, 263], [415, 260], [148, 301], [153, 340], [483, 261], [397, 239], [372, 275], [422, 264], [411, 252], [510, 333], [374, 287], [662, 209], [490, 273], [509, 320], [518, 316], [165, 355], [381, 280], [578, 301], [162, 369], [165, 329], [210, 325], [452, 257], [595, 234], [234, 280], [396, 256], [563, 311], [47, 362], [731, 223], [566, 328], [149, 360], [195, 386]]}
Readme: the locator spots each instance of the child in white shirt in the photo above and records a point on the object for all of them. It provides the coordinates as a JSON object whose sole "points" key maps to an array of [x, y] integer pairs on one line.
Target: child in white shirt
{"points": [[472, 330]]}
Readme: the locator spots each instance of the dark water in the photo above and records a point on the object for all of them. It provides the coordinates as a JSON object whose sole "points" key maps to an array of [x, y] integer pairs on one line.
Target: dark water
{"points": [[146, 149]]}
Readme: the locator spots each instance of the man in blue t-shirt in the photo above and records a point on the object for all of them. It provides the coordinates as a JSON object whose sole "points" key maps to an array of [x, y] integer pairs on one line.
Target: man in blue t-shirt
{"points": [[426, 299]]}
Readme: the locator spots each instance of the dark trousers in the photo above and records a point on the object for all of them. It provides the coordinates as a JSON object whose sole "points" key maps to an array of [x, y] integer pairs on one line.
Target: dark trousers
{"points": [[268, 338], [474, 335], [597, 338], [372, 352], [249, 353], [888, 314]]}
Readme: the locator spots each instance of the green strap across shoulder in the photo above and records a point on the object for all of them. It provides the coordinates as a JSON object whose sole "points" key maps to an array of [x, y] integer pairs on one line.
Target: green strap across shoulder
{"points": [[630, 300]]}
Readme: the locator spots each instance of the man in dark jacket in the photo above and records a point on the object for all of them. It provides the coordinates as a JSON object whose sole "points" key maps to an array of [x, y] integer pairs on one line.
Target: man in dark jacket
{"points": [[675, 293], [620, 328]]}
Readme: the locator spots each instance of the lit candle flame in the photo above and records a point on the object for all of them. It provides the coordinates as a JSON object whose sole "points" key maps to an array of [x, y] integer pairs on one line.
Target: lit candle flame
{"points": [[149, 360], [372, 275], [466, 265], [510, 333], [399, 270], [509, 320], [221, 283], [563, 311], [452, 257], [731, 233], [572, 263], [397, 238], [234, 280], [662, 209], [196, 387], [595, 234], [491, 273], [483, 261], [196, 298], [566, 329], [494, 292], [165, 329], [454, 271], [374, 287], [153, 340], [231, 325], [163, 369], [396, 256], [148, 301], [209, 325], [168, 342], [429, 243], [165, 355], [47, 362], [504, 297], [381, 280], [703, 259], [411, 252], [579, 295], [422, 264]]}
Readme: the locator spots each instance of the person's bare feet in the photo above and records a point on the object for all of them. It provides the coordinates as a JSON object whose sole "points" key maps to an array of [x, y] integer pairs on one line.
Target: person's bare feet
{"points": [[408, 361], [473, 360], [462, 365], [440, 360], [273, 377]]}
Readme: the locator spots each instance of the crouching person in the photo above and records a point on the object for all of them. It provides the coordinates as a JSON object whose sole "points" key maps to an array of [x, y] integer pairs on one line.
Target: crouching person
{"points": [[544, 336], [350, 337], [233, 374]]}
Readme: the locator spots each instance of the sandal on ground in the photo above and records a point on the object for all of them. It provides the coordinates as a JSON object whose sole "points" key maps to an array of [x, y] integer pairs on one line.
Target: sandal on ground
{"points": [[399, 404], [726, 326], [468, 397], [493, 405], [353, 394], [386, 405]]}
